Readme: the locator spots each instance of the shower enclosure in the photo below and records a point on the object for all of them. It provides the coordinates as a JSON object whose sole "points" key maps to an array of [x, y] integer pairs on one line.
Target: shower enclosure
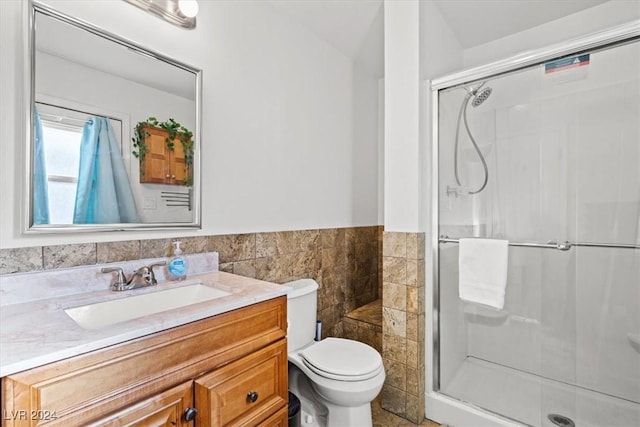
{"points": [[543, 151]]}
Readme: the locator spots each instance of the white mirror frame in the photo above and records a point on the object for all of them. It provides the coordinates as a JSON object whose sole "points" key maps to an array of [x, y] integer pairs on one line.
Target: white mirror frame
{"points": [[31, 7]]}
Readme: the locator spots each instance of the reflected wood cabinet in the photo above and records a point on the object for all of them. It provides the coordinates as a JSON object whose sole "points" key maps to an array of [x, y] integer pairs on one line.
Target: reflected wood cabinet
{"points": [[161, 164], [226, 370]]}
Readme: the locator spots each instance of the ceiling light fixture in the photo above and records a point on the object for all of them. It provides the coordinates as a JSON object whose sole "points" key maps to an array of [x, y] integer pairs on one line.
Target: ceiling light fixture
{"points": [[179, 12], [189, 8]]}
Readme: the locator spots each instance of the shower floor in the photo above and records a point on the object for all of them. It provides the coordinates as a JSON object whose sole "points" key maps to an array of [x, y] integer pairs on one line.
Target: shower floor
{"points": [[529, 399]]}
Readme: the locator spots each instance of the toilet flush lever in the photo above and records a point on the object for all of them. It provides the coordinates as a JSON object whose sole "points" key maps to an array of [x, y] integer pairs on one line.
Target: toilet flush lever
{"points": [[252, 396]]}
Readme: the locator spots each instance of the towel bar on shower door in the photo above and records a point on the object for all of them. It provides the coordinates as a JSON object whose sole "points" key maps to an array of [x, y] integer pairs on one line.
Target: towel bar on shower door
{"points": [[561, 246]]}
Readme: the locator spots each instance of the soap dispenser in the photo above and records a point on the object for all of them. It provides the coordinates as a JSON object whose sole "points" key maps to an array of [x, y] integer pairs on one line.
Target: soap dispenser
{"points": [[178, 265]]}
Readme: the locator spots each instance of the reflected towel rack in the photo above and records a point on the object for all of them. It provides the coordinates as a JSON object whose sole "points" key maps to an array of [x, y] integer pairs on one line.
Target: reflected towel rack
{"points": [[561, 246], [175, 198]]}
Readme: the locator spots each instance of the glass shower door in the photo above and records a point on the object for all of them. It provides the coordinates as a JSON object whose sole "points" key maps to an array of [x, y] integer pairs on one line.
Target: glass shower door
{"points": [[562, 154], [607, 195]]}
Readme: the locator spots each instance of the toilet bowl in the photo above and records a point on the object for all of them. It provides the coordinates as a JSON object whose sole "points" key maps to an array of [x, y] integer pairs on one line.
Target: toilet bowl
{"points": [[336, 379]]}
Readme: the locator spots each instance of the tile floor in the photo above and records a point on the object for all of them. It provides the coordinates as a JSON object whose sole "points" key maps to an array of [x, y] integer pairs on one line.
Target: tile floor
{"points": [[382, 418]]}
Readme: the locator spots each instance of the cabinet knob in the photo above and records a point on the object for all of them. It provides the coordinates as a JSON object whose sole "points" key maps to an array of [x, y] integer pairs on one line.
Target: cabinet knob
{"points": [[167, 176], [190, 414], [173, 177], [252, 396]]}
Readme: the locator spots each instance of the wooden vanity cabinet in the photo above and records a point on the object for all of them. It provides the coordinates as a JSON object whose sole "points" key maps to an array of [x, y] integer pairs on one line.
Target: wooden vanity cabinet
{"points": [[232, 368]]}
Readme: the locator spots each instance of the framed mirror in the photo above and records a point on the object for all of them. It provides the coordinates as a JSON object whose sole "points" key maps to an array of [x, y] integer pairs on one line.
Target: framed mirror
{"points": [[113, 131]]}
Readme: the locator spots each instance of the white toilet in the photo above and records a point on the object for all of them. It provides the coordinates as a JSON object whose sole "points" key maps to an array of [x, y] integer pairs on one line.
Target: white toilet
{"points": [[335, 379]]}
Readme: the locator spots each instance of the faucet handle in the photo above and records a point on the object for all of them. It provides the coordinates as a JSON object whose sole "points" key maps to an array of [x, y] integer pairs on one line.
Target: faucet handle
{"points": [[121, 280], [153, 275]]}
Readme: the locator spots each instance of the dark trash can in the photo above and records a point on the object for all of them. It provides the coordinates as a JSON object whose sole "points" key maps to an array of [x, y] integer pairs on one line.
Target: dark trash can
{"points": [[295, 414]]}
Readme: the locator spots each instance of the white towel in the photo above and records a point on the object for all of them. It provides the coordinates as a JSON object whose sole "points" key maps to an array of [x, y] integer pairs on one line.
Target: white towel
{"points": [[482, 268]]}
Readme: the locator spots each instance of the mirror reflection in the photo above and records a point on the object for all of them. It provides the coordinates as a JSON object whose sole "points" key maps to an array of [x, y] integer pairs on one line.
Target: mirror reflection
{"points": [[114, 131]]}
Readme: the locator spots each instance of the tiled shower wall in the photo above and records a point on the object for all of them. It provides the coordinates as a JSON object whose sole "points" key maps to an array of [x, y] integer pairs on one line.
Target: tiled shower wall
{"points": [[403, 317], [344, 261]]}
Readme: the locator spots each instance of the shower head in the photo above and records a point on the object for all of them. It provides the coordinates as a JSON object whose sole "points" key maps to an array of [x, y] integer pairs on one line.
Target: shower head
{"points": [[480, 96]]}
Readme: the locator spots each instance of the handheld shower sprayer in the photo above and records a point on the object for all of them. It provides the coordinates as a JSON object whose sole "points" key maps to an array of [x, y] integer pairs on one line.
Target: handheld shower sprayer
{"points": [[479, 96]]}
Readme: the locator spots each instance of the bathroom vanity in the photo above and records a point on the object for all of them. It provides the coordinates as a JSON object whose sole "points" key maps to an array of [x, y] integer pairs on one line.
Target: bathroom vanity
{"points": [[228, 367]]}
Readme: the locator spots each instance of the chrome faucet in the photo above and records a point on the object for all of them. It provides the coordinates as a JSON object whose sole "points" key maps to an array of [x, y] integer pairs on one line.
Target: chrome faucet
{"points": [[145, 274]]}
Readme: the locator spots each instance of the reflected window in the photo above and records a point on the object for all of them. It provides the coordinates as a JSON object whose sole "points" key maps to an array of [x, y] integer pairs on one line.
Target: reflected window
{"points": [[62, 156], [62, 136]]}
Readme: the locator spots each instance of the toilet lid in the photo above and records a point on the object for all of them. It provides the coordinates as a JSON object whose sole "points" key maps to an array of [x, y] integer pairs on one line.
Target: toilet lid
{"points": [[342, 359]]}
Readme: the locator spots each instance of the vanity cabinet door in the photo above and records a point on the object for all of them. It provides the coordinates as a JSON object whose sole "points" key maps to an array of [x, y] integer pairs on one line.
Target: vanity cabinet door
{"points": [[178, 164], [246, 392], [164, 409]]}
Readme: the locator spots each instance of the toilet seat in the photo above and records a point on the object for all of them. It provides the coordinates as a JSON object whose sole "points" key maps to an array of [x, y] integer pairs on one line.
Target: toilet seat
{"points": [[342, 359]]}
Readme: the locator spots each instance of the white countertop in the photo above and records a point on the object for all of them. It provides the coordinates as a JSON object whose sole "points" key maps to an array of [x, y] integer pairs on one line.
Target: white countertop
{"points": [[38, 332]]}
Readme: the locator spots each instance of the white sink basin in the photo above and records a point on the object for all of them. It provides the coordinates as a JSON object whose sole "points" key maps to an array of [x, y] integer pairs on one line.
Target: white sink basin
{"points": [[101, 314]]}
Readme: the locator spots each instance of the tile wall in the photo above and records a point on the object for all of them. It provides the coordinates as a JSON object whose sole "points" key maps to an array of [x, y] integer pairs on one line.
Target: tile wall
{"points": [[403, 312], [364, 324], [344, 261], [353, 266]]}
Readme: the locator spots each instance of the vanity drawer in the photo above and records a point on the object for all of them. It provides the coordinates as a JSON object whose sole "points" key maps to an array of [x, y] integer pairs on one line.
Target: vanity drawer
{"points": [[90, 386], [164, 409], [245, 392]]}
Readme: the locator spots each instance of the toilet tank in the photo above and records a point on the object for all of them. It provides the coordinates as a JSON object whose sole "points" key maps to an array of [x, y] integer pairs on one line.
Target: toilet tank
{"points": [[302, 302]]}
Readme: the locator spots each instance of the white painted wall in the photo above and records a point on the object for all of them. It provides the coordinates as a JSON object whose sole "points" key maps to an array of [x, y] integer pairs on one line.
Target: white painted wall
{"points": [[587, 21], [283, 115], [419, 46], [402, 116], [440, 53]]}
